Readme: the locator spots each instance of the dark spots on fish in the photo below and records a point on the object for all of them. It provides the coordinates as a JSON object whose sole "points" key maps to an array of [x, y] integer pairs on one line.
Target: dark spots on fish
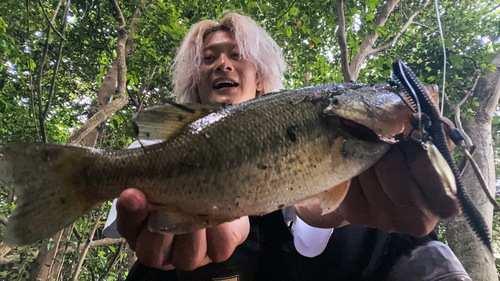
{"points": [[63, 201], [290, 132], [291, 188], [291, 160], [181, 117], [280, 206], [261, 166], [237, 204]]}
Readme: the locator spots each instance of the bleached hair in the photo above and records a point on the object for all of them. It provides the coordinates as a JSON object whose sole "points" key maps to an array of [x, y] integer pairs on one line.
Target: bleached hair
{"points": [[253, 42]]}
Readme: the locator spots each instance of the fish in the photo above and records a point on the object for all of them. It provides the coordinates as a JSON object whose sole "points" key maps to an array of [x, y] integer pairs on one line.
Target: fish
{"points": [[217, 163]]}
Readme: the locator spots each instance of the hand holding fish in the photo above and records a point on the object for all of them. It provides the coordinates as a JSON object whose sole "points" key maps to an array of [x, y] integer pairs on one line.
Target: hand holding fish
{"points": [[183, 251], [400, 193]]}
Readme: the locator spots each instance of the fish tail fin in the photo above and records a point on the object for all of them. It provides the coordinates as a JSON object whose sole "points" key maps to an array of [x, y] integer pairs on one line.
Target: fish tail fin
{"points": [[51, 189]]}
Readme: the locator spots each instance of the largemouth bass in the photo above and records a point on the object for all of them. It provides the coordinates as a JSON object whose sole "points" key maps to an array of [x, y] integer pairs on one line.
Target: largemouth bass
{"points": [[215, 166]]}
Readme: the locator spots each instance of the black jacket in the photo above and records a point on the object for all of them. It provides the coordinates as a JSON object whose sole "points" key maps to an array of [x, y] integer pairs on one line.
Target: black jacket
{"points": [[353, 253]]}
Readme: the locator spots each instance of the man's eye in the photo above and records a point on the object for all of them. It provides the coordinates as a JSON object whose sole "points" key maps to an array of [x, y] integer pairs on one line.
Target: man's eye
{"points": [[236, 55], [209, 57]]}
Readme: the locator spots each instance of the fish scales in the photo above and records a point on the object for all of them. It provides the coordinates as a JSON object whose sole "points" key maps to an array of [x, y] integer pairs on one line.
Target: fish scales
{"points": [[246, 159], [281, 145]]}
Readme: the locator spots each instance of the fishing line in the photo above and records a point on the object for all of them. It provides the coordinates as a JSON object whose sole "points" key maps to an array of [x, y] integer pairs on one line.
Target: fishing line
{"points": [[444, 55]]}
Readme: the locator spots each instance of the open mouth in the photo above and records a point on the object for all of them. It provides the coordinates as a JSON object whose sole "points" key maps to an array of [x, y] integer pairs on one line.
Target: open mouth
{"points": [[225, 84], [358, 131]]}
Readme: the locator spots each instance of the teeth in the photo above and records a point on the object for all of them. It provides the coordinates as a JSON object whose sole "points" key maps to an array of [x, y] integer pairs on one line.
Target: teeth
{"points": [[224, 84], [229, 82]]}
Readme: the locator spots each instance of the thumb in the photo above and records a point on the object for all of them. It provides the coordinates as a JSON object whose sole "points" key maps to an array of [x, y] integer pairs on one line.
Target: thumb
{"points": [[132, 208]]}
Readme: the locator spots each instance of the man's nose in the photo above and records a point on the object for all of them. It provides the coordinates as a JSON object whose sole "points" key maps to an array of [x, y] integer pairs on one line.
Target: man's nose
{"points": [[223, 64]]}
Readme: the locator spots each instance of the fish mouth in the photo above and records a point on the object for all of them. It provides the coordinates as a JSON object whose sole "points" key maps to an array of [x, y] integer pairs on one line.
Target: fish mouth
{"points": [[358, 131]]}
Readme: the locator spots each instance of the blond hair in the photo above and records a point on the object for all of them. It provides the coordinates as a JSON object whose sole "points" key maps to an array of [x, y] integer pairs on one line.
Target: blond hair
{"points": [[253, 42]]}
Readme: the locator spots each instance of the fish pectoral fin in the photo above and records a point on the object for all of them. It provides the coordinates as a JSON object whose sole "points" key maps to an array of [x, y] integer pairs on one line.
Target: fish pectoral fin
{"points": [[170, 219], [164, 121], [329, 200]]}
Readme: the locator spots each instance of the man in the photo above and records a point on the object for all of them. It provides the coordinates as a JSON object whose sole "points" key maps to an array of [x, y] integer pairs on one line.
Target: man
{"points": [[235, 61]]}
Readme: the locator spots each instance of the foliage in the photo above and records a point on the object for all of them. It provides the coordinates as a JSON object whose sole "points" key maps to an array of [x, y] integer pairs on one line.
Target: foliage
{"points": [[306, 30]]}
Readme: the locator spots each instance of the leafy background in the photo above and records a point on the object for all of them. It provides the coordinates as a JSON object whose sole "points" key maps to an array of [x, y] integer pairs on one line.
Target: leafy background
{"points": [[306, 31]]}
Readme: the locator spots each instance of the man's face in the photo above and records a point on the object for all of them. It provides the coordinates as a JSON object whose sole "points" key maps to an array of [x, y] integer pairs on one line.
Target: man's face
{"points": [[226, 77]]}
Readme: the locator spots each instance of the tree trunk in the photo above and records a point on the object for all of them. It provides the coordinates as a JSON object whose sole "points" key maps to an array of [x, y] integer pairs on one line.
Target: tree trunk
{"points": [[469, 249]]}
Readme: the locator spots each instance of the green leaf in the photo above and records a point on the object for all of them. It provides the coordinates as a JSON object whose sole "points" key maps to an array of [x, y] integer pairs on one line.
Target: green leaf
{"points": [[288, 30], [316, 40], [472, 118], [370, 16], [162, 5], [163, 28], [448, 42], [112, 249], [51, 244], [279, 24], [293, 11], [496, 120], [252, 4], [457, 61]]}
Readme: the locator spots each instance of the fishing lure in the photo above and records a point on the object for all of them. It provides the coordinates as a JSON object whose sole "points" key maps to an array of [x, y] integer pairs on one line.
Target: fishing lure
{"points": [[412, 92]]}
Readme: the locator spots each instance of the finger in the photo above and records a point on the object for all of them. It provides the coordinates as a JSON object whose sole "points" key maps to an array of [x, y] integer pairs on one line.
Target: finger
{"points": [[434, 194], [153, 248], [382, 210], [354, 208], [132, 208], [223, 239], [402, 189], [189, 251]]}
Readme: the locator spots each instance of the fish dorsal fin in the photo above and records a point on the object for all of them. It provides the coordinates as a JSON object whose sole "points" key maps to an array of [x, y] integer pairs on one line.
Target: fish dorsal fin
{"points": [[164, 121]]}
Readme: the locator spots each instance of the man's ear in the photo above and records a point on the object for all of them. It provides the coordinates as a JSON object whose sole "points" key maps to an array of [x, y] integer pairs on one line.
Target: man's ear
{"points": [[260, 86]]}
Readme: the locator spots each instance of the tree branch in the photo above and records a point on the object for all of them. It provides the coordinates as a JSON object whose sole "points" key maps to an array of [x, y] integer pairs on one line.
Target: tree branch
{"points": [[86, 249], [366, 46], [51, 22], [111, 262], [400, 32], [58, 62], [121, 19], [121, 98], [343, 42], [287, 10], [42, 114], [97, 243]]}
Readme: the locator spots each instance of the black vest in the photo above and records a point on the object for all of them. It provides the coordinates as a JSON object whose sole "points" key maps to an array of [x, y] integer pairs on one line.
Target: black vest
{"points": [[353, 253]]}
